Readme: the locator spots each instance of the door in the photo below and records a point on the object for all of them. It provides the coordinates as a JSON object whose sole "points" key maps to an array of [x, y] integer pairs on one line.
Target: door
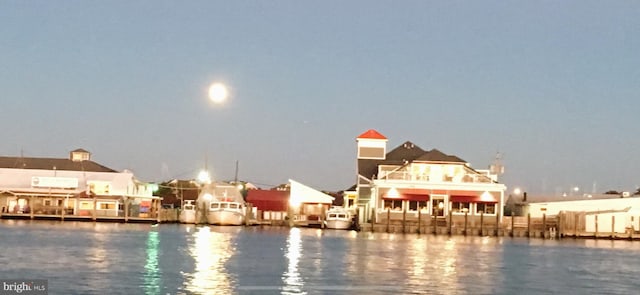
{"points": [[437, 206]]}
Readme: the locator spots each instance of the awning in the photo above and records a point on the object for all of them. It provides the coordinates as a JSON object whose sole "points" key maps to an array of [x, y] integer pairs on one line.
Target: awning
{"points": [[485, 197], [410, 194]]}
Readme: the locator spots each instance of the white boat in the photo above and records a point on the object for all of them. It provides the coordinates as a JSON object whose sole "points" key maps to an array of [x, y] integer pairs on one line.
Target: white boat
{"points": [[339, 218], [223, 204], [188, 212], [226, 213]]}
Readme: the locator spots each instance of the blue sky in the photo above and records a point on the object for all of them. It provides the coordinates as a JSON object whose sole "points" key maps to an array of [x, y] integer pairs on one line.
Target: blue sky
{"points": [[552, 85]]}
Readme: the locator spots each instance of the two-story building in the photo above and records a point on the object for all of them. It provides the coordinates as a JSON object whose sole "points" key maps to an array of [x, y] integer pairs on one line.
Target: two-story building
{"points": [[410, 180], [73, 187]]}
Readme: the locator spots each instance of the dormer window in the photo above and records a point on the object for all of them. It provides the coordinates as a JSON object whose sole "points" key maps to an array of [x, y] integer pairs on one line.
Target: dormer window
{"points": [[80, 155]]}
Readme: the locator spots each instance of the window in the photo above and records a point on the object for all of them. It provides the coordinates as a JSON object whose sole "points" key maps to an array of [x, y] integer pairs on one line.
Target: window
{"points": [[107, 206], [60, 203], [393, 204], [460, 207], [47, 202], [487, 208], [417, 205], [86, 205]]}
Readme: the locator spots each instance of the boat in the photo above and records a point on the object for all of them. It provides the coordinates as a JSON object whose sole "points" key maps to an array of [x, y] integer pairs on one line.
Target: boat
{"points": [[339, 218], [188, 212], [223, 203]]}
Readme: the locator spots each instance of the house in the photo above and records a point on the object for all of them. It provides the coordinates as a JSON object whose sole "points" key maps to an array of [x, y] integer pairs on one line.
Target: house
{"points": [[73, 187], [410, 180]]}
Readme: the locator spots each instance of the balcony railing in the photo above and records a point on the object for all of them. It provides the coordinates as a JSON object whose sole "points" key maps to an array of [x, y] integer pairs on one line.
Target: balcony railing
{"points": [[407, 176]]}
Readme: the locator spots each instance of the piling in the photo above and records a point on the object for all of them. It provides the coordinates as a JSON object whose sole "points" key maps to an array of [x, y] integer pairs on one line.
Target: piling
{"points": [[450, 222], [513, 223], [404, 220], [388, 218], [419, 220], [613, 226], [528, 225], [544, 225], [435, 225], [465, 223], [596, 234], [481, 223]]}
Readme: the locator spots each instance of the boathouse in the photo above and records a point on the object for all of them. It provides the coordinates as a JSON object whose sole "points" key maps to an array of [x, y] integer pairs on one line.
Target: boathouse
{"points": [[73, 188], [298, 203], [409, 183]]}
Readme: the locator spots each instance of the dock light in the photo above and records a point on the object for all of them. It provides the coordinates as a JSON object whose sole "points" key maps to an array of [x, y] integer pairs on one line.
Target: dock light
{"points": [[295, 201], [203, 177], [517, 191]]}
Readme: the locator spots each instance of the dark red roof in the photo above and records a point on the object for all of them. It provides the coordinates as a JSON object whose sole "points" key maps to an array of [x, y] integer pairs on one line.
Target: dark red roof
{"points": [[372, 134], [269, 200]]}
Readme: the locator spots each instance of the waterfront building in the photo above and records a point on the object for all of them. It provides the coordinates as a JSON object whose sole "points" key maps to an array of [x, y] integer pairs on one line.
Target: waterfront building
{"points": [[74, 188], [615, 213], [298, 203], [408, 181]]}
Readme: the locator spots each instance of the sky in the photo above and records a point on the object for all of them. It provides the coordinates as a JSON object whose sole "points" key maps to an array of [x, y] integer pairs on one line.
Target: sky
{"points": [[553, 86]]}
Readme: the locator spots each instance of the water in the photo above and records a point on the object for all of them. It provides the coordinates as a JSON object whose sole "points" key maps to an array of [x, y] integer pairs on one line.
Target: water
{"points": [[107, 258]]}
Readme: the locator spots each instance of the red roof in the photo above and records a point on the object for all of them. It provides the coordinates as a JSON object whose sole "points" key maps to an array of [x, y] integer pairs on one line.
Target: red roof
{"points": [[372, 134], [268, 200]]}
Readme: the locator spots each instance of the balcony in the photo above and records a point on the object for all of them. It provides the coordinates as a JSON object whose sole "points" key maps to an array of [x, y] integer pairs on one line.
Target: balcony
{"points": [[410, 177]]}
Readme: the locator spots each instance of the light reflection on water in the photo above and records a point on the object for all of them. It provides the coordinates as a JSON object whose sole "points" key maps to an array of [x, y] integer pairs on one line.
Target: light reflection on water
{"points": [[291, 278], [179, 259], [152, 278], [210, 250]]}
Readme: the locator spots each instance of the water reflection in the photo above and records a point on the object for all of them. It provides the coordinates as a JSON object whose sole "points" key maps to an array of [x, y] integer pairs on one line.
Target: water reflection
{"points": [[292, 280], [210, 250], [151, 269]]}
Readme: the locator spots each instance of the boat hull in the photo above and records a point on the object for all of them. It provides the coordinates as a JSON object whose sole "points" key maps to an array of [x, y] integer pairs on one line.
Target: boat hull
{"points": [[225, 217], [188, 216], [338, 224]]}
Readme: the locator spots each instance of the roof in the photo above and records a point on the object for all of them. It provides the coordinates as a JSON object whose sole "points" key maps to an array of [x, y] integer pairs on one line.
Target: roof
{"points": [[301, 194], [405, 153], [371, 134], [79, 151], [555, 198], [52, 164], [435, 155]]}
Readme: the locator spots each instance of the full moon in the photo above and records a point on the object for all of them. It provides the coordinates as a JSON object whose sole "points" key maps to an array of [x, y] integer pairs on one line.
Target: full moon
{"points": [[218, 93]]}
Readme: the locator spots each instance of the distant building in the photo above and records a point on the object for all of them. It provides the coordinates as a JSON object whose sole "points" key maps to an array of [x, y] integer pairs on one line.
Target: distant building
{"points": [[411, 179], [599, 210], [73, 186]]}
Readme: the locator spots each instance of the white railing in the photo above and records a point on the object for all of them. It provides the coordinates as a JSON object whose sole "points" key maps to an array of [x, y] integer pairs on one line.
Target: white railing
{"points": [[407, 176]]}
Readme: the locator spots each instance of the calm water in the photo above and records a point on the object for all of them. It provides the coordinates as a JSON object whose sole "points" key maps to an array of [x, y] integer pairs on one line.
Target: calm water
{"points": [[105, 258]]}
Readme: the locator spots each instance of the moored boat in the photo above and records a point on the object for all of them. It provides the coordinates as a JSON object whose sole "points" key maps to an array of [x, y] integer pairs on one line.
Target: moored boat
{"points": [[223, 203], [339, 218], [188, 212], [226, 213]]}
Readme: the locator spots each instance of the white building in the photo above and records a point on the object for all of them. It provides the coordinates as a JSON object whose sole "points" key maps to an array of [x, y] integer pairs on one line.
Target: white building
{"points": [[410, 179], [72, 187]]}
